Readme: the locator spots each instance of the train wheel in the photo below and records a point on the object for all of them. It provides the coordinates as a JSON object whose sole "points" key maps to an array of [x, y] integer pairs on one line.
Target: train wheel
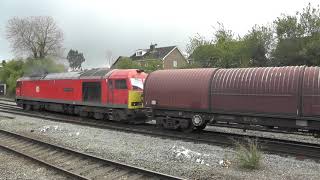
{"points": [[27, 107], [116, 116], [119, 115], [197, 120], [84, 114], [36, 107], [98, 115], [24, 106]]}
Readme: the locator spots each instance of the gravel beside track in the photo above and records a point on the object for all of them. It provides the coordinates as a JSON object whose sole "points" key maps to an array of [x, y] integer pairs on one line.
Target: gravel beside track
{"points": [[15, 167], [76, 164], [293, 137], [178, 158]]}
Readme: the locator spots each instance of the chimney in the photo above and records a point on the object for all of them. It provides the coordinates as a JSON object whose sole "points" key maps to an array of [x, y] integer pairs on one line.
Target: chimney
{"points": [[152, 47]]}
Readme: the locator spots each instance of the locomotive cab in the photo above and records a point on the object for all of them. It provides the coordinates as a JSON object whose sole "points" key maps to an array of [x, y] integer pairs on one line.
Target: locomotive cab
{"points": [[135, 99], [126, 88]]}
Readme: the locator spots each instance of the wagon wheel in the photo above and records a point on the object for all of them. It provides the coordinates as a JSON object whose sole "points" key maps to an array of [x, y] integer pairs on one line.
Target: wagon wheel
{"points": [[116, 116], [98, 115]]}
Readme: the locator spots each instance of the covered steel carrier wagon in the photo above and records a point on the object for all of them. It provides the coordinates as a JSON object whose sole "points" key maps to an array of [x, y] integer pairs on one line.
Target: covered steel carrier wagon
{"points": [[282, 97]]}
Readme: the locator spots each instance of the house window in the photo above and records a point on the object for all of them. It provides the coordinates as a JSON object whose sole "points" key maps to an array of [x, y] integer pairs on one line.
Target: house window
{"points": [[121, 84], [139, 53], [175, 64]]}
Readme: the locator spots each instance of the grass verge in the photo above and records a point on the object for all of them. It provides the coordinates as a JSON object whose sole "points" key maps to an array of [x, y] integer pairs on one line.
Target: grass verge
{"points": [[248, 154]]}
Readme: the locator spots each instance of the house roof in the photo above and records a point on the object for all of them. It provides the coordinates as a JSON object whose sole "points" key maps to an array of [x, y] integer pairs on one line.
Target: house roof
{"points": [[115, 62], [157, 53]]}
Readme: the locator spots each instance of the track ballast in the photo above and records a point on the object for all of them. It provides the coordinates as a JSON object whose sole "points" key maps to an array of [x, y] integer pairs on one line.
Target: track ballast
{"points": [[73, 163]]}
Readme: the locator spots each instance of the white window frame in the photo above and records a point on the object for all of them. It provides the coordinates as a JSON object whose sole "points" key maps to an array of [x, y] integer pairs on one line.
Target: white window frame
{"points": [[139, 53], [175, 63]]}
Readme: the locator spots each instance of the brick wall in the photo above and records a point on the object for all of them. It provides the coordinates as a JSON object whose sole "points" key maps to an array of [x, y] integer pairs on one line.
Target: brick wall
{"points": [[175, 55]]}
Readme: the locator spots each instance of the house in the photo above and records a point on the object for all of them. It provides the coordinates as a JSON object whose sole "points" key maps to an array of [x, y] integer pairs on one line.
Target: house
{"points": [[170, 56]]}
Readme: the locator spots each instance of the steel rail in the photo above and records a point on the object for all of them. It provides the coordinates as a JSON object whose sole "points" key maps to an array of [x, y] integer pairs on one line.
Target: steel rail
{"points": [[74, 163]]}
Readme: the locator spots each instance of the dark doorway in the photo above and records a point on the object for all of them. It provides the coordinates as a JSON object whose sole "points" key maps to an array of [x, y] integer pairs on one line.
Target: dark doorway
{"points": [[91, 91], [2, 89]]}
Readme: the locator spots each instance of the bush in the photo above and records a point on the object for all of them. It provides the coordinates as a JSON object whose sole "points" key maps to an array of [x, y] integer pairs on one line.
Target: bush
{"points": [[9, 73], [149, 65], [14, 69], [126, 63], [248, 155]]}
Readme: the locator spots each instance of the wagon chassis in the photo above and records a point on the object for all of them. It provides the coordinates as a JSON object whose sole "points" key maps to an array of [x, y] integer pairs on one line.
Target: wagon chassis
{"points": [[178, 118]]}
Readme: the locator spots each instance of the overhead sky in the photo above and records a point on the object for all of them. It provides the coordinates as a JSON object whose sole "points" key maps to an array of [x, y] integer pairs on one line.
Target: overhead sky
{"points": [[96, 27]]}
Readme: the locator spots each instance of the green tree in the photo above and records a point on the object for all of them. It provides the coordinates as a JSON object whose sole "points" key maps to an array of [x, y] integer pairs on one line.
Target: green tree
{"points": [[223, 51], [14, 69], [191, 65], [195, 42], [149, 65], [257, 45], [127, 63], [298, 38], [35, 36], [75, 59], [205, 56], [9, 73], [152, 65], [3, 63], [291, 40]]}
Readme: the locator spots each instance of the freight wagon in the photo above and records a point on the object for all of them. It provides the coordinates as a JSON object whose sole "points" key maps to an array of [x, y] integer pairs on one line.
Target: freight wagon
{"points": [[99, 93], [282, 97]]}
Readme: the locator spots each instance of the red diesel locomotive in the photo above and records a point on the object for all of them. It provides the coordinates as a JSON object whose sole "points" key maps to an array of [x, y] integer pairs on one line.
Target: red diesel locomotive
{"points": [[99, 93]]}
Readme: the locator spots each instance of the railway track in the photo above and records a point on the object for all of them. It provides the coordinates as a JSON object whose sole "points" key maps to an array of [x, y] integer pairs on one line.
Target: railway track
{"points": [[75, 164], [7, 100], [261, 129], [278, 146]]}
